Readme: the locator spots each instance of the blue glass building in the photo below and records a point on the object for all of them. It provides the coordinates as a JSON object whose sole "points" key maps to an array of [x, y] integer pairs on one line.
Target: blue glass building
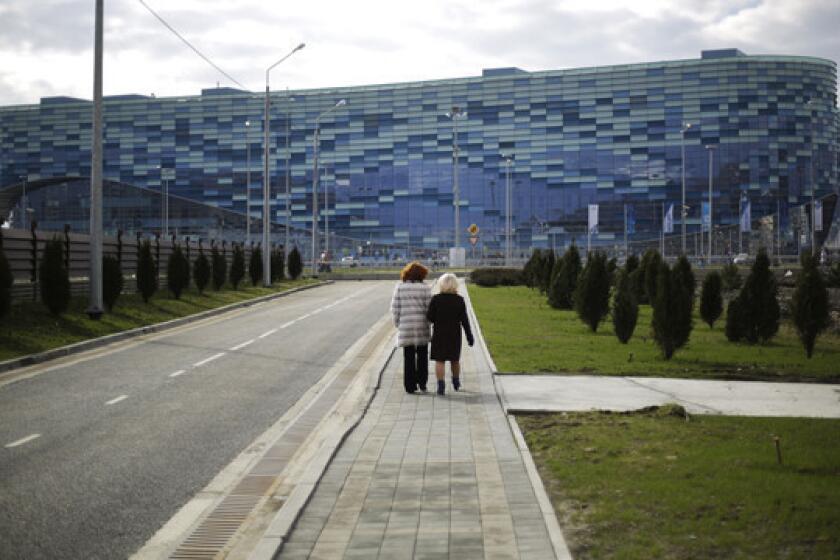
{"points": [[607, 135]]}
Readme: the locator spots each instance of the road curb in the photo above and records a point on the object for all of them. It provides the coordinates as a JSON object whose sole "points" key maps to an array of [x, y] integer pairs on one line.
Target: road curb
{"points": [[84, 345], [555, 533], [276, 535]]}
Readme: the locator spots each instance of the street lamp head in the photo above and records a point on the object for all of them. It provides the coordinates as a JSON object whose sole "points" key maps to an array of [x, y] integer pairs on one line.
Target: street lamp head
{"points": [[341, 102], [247, 124], [297, 48]]}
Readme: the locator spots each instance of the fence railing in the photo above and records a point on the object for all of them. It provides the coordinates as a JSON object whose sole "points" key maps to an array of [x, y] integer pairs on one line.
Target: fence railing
{"points": [[25, 249]]}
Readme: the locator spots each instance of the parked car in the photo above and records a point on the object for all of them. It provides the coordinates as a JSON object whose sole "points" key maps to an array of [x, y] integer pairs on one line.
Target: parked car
{"points": [[741, 258]]}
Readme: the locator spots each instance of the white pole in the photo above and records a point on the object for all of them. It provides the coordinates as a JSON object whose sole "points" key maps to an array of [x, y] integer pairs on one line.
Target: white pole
{"points": [[683, 212], [288, 177], [247, 183], [315, 200], [711, 221], [625, 232], [326, 215], [95, 304]]}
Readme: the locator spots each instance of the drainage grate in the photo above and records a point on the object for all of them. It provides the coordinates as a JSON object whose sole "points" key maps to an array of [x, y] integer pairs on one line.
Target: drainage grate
{"points": [[209, 539]]}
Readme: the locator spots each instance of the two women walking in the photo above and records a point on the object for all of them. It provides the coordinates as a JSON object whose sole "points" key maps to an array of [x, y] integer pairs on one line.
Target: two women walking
{"points": [[415, 311]]}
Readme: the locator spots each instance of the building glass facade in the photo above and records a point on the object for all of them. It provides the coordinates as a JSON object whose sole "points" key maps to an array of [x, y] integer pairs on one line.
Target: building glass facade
{"points": [[606, 135]]}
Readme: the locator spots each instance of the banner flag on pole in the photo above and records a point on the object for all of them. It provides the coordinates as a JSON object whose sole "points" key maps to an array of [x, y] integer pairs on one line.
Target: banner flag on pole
{"points": [[631, 219], [593, 218], [668, 226], [746, 217], [818, 215], [706, 216]]}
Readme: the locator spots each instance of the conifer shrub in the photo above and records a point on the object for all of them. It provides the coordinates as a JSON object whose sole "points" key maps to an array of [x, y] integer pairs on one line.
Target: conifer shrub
{"points": [[665, 313], [834, 275], [255, 266], [562, 289], [683, 280], [490, 277], [219, 268], [295, 264], [201, 271], [147, 282], [177, 272], [278, 261], [237, 266], [711, 300], [6, 281], [735, 327], [612, 266], [631, 264], [758, 302], [546, 269], [55, 280], [112, 281], [650, 264], [730, 277], [625, 309], [529, 271], [592, 295], [809, 305]]}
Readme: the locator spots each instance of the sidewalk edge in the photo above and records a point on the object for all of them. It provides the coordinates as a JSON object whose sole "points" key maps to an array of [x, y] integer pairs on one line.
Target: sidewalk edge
{"points": [[84, 345], [275, 536], [555, 533]]}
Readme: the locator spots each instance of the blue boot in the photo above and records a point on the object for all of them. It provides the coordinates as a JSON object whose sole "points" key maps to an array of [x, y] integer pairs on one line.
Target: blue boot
{"points": [[456, 383], [441, 387]]}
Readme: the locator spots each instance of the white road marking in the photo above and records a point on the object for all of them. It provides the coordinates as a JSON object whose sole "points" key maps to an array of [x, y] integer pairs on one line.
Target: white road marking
{"points": [[116, 400], [21, 441], [267, 333], [289, 324], [208, 360], [243, 345], [177, 373]]}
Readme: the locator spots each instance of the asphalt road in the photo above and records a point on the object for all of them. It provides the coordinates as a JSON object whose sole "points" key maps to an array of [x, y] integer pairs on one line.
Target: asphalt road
{"points": [[125, 438]]}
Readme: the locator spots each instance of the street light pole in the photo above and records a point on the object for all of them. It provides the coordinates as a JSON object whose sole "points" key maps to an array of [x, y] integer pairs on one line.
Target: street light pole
{"points": [[683, 209], [289, 101], [95, 303], [315, 138], [266, 242], [711, 149], [326, 215], [810, 104], [248, 183], [508, 220], [456, 114]]}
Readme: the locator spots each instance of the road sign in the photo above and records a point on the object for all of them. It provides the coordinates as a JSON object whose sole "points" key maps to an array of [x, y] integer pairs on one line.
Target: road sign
{"points": [[473, 229]]}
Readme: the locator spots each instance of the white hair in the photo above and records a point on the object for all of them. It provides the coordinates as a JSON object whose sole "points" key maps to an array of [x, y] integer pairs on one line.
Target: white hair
{"points": [[448, 284]]}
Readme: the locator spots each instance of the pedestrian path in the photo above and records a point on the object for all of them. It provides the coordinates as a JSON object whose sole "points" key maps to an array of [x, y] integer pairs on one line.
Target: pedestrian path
{"points": [[424, 476], [698, 396]]}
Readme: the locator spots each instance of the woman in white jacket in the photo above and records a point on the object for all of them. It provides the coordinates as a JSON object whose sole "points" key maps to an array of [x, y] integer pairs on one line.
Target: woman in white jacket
{"points": [[408, 307]]}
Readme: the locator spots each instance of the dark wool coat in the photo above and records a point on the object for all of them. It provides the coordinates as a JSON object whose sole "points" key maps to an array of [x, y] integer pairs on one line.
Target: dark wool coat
{"points": [[448, 313]]}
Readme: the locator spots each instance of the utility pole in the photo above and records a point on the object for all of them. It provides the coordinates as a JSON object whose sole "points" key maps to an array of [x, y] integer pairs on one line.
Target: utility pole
{"points": [[95, 305]]}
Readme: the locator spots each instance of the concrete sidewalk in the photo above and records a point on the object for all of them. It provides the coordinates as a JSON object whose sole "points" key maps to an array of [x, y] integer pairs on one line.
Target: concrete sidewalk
{"points": [[424, 476], [741, 398]]}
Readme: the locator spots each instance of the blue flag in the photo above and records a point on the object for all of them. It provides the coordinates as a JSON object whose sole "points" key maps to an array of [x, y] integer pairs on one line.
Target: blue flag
{"points": [[706, 216], [668, 224], [631, 219], [818, 215], [746, 218]]}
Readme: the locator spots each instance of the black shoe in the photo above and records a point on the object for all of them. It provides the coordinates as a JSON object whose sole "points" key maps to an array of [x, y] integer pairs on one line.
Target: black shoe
{"points": [[441, 388], [410, 391], [423, 388], [456, 383]]}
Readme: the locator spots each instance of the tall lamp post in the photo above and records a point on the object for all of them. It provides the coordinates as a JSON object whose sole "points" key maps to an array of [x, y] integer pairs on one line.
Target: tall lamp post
{"points": [[455, 114], [266, 242], [508, 221], [711, 149], [95, 305], [247, 183], [315, 137], [810, 105], [683, 210], [289, 100]]}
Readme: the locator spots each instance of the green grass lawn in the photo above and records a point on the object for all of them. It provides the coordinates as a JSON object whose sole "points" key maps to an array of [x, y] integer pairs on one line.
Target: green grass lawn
{"points": [[651, 485], [525, 334], [30, 328]]}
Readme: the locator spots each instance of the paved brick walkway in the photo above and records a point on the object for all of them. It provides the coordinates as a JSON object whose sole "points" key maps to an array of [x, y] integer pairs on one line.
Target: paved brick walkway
{"points": [[424, 476]]}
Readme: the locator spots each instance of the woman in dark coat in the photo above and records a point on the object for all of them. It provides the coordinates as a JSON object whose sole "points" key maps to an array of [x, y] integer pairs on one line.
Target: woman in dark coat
{"points": [[448, 313]]}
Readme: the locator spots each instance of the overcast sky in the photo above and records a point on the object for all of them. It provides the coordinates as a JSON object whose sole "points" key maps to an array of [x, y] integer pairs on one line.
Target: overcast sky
{"points": [[46, 46]]}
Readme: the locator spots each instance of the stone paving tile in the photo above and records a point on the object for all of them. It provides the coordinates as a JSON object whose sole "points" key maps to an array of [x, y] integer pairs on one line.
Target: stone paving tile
{"points": [[426, 477]]}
